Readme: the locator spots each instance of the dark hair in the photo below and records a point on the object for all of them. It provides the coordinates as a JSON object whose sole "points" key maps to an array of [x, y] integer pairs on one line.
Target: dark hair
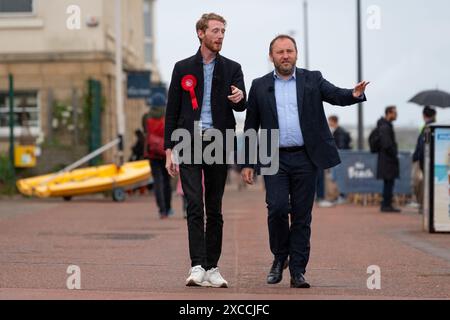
{"points": [[389, 109], [138, 133], [333, 118], [429, 112], [282, 36]]}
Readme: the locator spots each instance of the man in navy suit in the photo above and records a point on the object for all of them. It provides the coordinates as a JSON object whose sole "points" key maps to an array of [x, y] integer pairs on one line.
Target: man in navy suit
{"points": [[291, 100]]}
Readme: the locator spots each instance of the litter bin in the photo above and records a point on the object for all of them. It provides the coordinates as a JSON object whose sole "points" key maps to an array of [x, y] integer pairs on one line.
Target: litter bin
{"points": [[437, 179]]}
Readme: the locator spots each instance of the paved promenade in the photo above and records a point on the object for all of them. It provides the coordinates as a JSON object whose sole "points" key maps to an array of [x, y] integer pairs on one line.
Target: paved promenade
{"points": [[125, 251]]}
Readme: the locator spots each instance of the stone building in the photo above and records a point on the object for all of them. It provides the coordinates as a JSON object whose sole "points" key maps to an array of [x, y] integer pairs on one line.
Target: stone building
{"points": [[52, 59]]}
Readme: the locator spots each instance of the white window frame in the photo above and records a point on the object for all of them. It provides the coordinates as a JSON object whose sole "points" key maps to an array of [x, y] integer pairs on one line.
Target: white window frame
{"points": [[21, 14], [151, 43], [34, 130]]}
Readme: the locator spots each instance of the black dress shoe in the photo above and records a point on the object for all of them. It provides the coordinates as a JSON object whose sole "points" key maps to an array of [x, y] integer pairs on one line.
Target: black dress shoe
{"points": [[276, 272], [298, 281], [390, 209]]}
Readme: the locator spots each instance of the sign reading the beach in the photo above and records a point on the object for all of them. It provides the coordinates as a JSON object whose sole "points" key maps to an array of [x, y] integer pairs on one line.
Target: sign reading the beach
{"points": [[358, 173]]}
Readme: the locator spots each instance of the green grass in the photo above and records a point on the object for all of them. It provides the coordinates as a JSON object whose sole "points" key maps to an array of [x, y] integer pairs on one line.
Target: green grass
{"points": [[7, 180]]}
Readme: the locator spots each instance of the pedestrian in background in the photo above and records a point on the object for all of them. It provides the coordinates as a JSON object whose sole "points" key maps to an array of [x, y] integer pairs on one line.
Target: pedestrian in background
{"points": [[343, 141], [341, 136], [388, 167], [154, 123], [137, 150], [429, 116]]}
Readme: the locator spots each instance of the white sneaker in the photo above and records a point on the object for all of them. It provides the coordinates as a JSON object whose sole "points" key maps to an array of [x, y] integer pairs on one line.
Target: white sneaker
{"points": [[325, 204], [213, 278], [196, 276], [341, 200]]}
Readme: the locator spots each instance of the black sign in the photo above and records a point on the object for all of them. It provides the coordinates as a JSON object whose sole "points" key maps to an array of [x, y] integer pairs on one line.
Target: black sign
{"points": [[138, 84]]}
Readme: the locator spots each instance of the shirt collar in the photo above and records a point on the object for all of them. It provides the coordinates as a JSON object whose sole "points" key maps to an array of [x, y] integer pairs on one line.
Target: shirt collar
{"points": [[199, 58], [213, 61], [277, 77]]}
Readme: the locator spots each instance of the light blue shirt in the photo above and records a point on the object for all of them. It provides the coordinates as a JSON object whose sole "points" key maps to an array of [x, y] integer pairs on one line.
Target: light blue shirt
{"points": [[287, 109], [206, 115]]}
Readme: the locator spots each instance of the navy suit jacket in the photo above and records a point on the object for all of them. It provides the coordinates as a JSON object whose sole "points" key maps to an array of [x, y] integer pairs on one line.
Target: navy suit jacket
{"points": [[312, 90]]}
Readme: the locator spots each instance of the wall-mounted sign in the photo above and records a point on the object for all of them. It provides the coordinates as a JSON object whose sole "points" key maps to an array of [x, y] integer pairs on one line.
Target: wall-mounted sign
{"points": [[138, 84]]}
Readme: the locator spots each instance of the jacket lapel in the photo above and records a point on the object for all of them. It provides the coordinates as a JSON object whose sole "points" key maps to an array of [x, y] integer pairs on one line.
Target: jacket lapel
{"points": [[270, 87], [301, 82], [198, 73], [217, 82]]}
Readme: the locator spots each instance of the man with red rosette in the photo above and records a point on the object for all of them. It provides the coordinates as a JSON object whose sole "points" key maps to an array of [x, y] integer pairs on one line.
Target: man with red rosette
{"points": [[205, 89]]}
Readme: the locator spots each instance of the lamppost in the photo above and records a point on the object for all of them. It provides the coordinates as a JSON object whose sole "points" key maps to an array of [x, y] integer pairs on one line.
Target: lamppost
{"points": [[119, 78], [11, 124], [305, 27], [360, 76]]}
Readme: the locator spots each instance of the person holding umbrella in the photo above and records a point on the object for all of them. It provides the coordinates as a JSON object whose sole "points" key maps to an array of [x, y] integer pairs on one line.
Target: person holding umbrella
{"points": [[429, 116], [429, 99]]}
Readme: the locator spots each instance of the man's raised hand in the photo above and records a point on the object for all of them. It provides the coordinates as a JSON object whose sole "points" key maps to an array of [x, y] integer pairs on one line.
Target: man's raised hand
{"points": [[360, 88]]}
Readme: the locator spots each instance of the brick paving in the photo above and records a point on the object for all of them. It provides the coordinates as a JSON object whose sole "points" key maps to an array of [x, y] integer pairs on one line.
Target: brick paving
{"points": [[126, 252]]}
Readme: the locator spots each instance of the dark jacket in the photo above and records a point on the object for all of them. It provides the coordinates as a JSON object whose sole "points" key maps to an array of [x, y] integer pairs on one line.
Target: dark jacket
{"points": [[312, 90], [137, 150], [180, 114], [388, 164], [342, 138], [419, 152]]}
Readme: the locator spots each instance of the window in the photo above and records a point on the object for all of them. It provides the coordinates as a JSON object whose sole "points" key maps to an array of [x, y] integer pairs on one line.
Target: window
{"points": [[26, 110], [16, 6], [148, 32], [148, 52]]}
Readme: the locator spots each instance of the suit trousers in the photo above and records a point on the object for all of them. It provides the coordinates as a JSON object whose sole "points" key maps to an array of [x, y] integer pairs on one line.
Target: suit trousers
{"points": [[295, 183]]}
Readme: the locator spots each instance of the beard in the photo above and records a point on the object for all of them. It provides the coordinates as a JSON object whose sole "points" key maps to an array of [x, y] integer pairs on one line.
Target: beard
{"points": [[285, 69], [214, 47]]}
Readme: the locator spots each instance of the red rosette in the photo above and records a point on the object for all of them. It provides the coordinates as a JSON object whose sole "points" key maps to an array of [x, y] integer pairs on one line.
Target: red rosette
{"points": [[188, 83]]}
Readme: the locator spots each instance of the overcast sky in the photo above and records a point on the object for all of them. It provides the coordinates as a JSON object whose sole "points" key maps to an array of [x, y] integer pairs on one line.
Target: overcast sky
{"points": [[409, 53]]}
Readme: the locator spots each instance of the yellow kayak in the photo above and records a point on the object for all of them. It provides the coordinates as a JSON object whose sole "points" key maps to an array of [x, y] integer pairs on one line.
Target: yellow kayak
{"points": [[86, 180]]}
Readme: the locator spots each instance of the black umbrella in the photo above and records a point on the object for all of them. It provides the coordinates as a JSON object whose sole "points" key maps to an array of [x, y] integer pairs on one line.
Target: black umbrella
{"points": [[434, 98]]}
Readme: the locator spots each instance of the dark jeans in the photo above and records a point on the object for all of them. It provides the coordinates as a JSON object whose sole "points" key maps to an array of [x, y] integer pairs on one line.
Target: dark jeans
{"points": [[295, 182], [388, 190], [162, 187], [205, 243]]}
